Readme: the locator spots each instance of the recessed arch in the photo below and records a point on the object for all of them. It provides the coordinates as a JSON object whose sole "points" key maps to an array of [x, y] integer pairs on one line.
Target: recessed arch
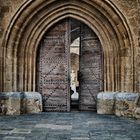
{"points": [[59, 69], [34, 18]]}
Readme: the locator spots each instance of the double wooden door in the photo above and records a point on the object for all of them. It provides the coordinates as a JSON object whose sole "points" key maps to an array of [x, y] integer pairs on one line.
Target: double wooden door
{"points": [[53, 67]]}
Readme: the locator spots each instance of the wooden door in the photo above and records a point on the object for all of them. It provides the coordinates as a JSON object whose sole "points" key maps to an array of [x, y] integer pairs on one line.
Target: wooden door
{"points": [[91, 70], [53, 63]]}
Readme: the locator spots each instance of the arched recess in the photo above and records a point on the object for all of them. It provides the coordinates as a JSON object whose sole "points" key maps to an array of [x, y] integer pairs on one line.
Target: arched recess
{"points": [[34, 18]]}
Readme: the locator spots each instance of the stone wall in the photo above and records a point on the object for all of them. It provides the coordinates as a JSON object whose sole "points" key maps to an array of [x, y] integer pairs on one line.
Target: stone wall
{"points": [[8, 9], [138, 51], [129, 9]]}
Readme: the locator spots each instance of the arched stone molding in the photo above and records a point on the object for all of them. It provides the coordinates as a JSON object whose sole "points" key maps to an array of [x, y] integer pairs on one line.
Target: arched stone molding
{"points": [[34, 18]]}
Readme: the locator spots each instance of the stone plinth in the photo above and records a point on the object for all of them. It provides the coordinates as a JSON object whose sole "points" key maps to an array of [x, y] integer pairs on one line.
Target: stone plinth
{"points": [[16, 103], [105, 103], [125, 104], [137, 112], [32, 102], [119, 103], [137, 108], [10, 103]]}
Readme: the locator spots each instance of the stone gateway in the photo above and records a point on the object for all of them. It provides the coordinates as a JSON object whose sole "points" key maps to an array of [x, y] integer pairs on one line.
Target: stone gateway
{"points": [[43, 41]]}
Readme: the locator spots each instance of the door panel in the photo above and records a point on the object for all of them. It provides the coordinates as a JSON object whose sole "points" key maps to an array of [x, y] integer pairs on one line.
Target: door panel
{"points": [[90, 77], [54, 68]]}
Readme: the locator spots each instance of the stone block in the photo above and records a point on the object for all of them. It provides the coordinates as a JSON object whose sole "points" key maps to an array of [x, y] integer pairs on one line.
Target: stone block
{"points": [[105, 102], [125, 104], [137, 108], [10, 103], [137, 112], [31, 102], [16, 103]]}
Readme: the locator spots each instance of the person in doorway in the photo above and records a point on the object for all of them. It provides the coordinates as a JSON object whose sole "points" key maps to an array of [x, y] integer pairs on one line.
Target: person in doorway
{"points": [[75, 95]]}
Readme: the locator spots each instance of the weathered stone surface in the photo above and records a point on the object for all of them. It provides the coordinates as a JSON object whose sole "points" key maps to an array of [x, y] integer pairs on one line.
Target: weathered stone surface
{"points": [[119, 103], [125, 104], [120, 24], [137, 108], [10, 103], [32, 102], [105, 103], [137, 112], [16, 103]]}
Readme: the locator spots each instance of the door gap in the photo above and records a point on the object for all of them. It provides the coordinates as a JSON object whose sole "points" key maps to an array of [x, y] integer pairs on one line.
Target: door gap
{"points": [[74, 69]]}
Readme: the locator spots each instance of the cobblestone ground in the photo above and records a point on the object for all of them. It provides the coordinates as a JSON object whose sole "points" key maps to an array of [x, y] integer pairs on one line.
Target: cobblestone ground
{"points": [[68, 126]]}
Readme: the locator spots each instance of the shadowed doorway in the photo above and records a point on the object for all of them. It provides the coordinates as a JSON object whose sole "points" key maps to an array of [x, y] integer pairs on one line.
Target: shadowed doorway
{"points": [[69, 48]]}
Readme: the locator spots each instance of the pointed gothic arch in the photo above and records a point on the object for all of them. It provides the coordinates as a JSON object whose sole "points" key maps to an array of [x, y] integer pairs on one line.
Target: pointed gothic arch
{"points": [[34, 18]]}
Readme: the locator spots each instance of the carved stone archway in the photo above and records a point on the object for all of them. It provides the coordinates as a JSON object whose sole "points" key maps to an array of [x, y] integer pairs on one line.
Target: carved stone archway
{"points": [[34, 18]]}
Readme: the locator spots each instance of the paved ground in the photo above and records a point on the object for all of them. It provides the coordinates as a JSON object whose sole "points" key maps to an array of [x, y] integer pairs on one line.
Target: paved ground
{"points": [[68, 126]]}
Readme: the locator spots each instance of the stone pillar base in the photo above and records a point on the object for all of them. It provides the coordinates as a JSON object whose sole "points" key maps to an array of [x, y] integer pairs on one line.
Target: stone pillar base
{"points": [[16, 103], [32, 102], [119, 103], [105, 103], [125, 104], [10, 103]]}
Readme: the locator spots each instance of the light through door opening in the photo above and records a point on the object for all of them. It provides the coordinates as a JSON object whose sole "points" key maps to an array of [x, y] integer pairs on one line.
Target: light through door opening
{"points": [[74, 80]]}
